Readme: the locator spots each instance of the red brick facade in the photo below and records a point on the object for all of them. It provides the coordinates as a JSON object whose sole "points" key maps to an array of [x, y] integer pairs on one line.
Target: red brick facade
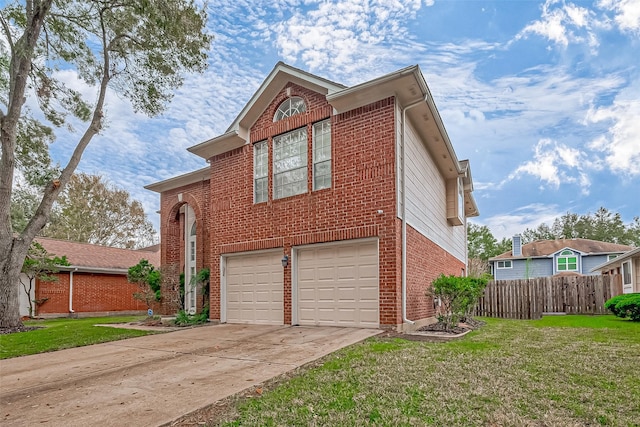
{"points": [[360, 203], [92, 293], [172, 251]]}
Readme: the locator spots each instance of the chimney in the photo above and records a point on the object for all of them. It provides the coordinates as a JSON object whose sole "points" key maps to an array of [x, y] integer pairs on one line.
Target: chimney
{"points": [[516, 246]]}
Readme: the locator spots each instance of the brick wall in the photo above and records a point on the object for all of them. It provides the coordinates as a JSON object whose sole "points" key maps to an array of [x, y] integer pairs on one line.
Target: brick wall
{"points": [[172, 248], [362, 183], [92, 292], [425, 262]]}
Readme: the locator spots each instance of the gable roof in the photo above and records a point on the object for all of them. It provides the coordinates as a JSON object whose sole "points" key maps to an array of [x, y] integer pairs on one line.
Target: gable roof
{"points": [[407, 85], [546, 248], [96, 258], [237, 134]]}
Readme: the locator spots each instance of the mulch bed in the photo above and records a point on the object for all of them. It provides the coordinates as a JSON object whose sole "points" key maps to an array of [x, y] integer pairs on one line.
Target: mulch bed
{"points": [[435, 329]]}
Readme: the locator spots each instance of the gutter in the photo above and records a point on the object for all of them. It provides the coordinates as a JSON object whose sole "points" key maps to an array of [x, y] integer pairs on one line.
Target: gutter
{"points": [[404, 209]]}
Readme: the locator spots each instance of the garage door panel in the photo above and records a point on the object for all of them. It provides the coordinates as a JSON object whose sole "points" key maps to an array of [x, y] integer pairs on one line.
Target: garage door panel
{"points": [[255, 285], [338, 285]]}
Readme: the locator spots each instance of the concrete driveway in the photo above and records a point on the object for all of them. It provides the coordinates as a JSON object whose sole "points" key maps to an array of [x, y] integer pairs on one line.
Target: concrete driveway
{"points": [[153, 380]]}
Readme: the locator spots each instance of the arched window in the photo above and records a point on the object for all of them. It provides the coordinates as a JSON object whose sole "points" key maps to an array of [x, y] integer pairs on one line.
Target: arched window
{"points": [[291, 106], [567, 261]]}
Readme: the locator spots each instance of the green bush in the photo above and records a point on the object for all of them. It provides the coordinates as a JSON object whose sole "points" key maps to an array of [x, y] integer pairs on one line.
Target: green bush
{"points": [[625, 305], [457, 296], [611, 304], [184, 319]]}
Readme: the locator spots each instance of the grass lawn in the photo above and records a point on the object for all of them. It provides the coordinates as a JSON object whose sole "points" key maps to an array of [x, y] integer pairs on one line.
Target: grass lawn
{"points": [[58, 334], [558, 371]]}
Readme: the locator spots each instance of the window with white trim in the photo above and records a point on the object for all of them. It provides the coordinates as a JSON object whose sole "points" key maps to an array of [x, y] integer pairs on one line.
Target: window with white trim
{"points": [[260, 172], [567, 261], [613, 256], [626, 273], [504, 264], [290, 164], [290, 107], [322, 155]]}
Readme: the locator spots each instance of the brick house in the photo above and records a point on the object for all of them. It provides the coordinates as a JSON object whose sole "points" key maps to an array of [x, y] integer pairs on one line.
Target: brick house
{"points": [[299, 215], [94, 284]]}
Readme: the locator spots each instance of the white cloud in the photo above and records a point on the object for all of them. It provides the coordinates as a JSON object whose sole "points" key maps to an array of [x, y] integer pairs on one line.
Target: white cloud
{"points": [[627, 13], [346, 37], [621, 144], [564, 23], [556, 164], [531, 216]]}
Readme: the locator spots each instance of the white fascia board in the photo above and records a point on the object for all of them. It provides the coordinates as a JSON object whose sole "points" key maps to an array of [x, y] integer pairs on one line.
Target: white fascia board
{"points": [[218, 145], [275, 81], [200, 175], [570, 249]]}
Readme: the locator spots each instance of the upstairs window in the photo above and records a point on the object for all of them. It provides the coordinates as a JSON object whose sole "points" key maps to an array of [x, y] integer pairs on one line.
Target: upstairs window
{"points": [[290, 164], [290, 107], [260, 172], [567, 261], [322, 155]]}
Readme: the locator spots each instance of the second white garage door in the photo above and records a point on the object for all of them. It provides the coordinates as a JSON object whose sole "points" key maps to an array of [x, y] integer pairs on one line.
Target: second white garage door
{"points": [[254, 288], [337, 284]]}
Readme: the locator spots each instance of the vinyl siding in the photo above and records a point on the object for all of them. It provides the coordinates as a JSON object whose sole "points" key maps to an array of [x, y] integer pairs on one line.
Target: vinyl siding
{"points": [[426, 196], [589, 262], [538, 267]]}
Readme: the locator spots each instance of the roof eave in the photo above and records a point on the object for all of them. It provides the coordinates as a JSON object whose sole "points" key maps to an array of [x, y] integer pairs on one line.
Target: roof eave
{"points": [[620, 259], [220, 144], [408, 86], [200, 175]]}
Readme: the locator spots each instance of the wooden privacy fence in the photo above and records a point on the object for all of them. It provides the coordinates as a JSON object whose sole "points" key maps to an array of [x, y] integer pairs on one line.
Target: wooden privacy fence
{"points": [[530, 298]]}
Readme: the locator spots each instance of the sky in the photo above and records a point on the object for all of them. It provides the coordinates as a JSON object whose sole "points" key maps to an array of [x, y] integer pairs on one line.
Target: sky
{"points": [[543, 97]]}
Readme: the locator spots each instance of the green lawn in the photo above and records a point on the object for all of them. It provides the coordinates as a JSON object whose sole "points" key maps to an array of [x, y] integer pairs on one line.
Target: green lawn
{"points": [[58, 334], [558, 371]]}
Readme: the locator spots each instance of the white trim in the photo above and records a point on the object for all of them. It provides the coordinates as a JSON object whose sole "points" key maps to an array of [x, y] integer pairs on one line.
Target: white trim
{"points": [[223, 276], [504, 267], [627, 287]]}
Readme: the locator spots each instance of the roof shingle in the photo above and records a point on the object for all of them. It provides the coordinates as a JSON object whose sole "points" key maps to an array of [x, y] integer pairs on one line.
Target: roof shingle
{"points": [[96, 256], [541, 248]]}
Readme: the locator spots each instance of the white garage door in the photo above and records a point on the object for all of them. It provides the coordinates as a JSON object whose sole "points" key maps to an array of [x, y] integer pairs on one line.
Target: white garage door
{"points": [[254, 288], [338, 284]]}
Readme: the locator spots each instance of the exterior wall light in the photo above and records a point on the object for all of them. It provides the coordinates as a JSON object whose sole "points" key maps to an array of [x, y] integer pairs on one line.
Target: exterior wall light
{"points": [[285, 261]]}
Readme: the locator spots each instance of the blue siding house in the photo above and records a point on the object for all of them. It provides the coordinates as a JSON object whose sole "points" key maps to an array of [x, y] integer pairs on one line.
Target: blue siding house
{"points": [[550, 257]]}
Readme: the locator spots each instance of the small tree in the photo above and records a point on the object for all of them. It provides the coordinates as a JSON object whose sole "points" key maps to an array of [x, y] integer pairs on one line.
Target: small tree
{"points": [[148, 280], [39, 264]]}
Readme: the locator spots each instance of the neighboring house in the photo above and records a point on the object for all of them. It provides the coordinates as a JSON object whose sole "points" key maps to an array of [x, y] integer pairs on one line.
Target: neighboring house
{"points": [[550, 257], [95, 283], [628, 266], [299, 216]]}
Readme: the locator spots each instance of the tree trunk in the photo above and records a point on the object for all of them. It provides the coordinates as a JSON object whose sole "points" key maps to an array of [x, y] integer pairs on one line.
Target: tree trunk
{"points": [[10, 254]]}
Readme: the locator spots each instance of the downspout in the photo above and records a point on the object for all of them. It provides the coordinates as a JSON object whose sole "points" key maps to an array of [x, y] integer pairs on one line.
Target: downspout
{"points": [[404, 210], [71, 290]]}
